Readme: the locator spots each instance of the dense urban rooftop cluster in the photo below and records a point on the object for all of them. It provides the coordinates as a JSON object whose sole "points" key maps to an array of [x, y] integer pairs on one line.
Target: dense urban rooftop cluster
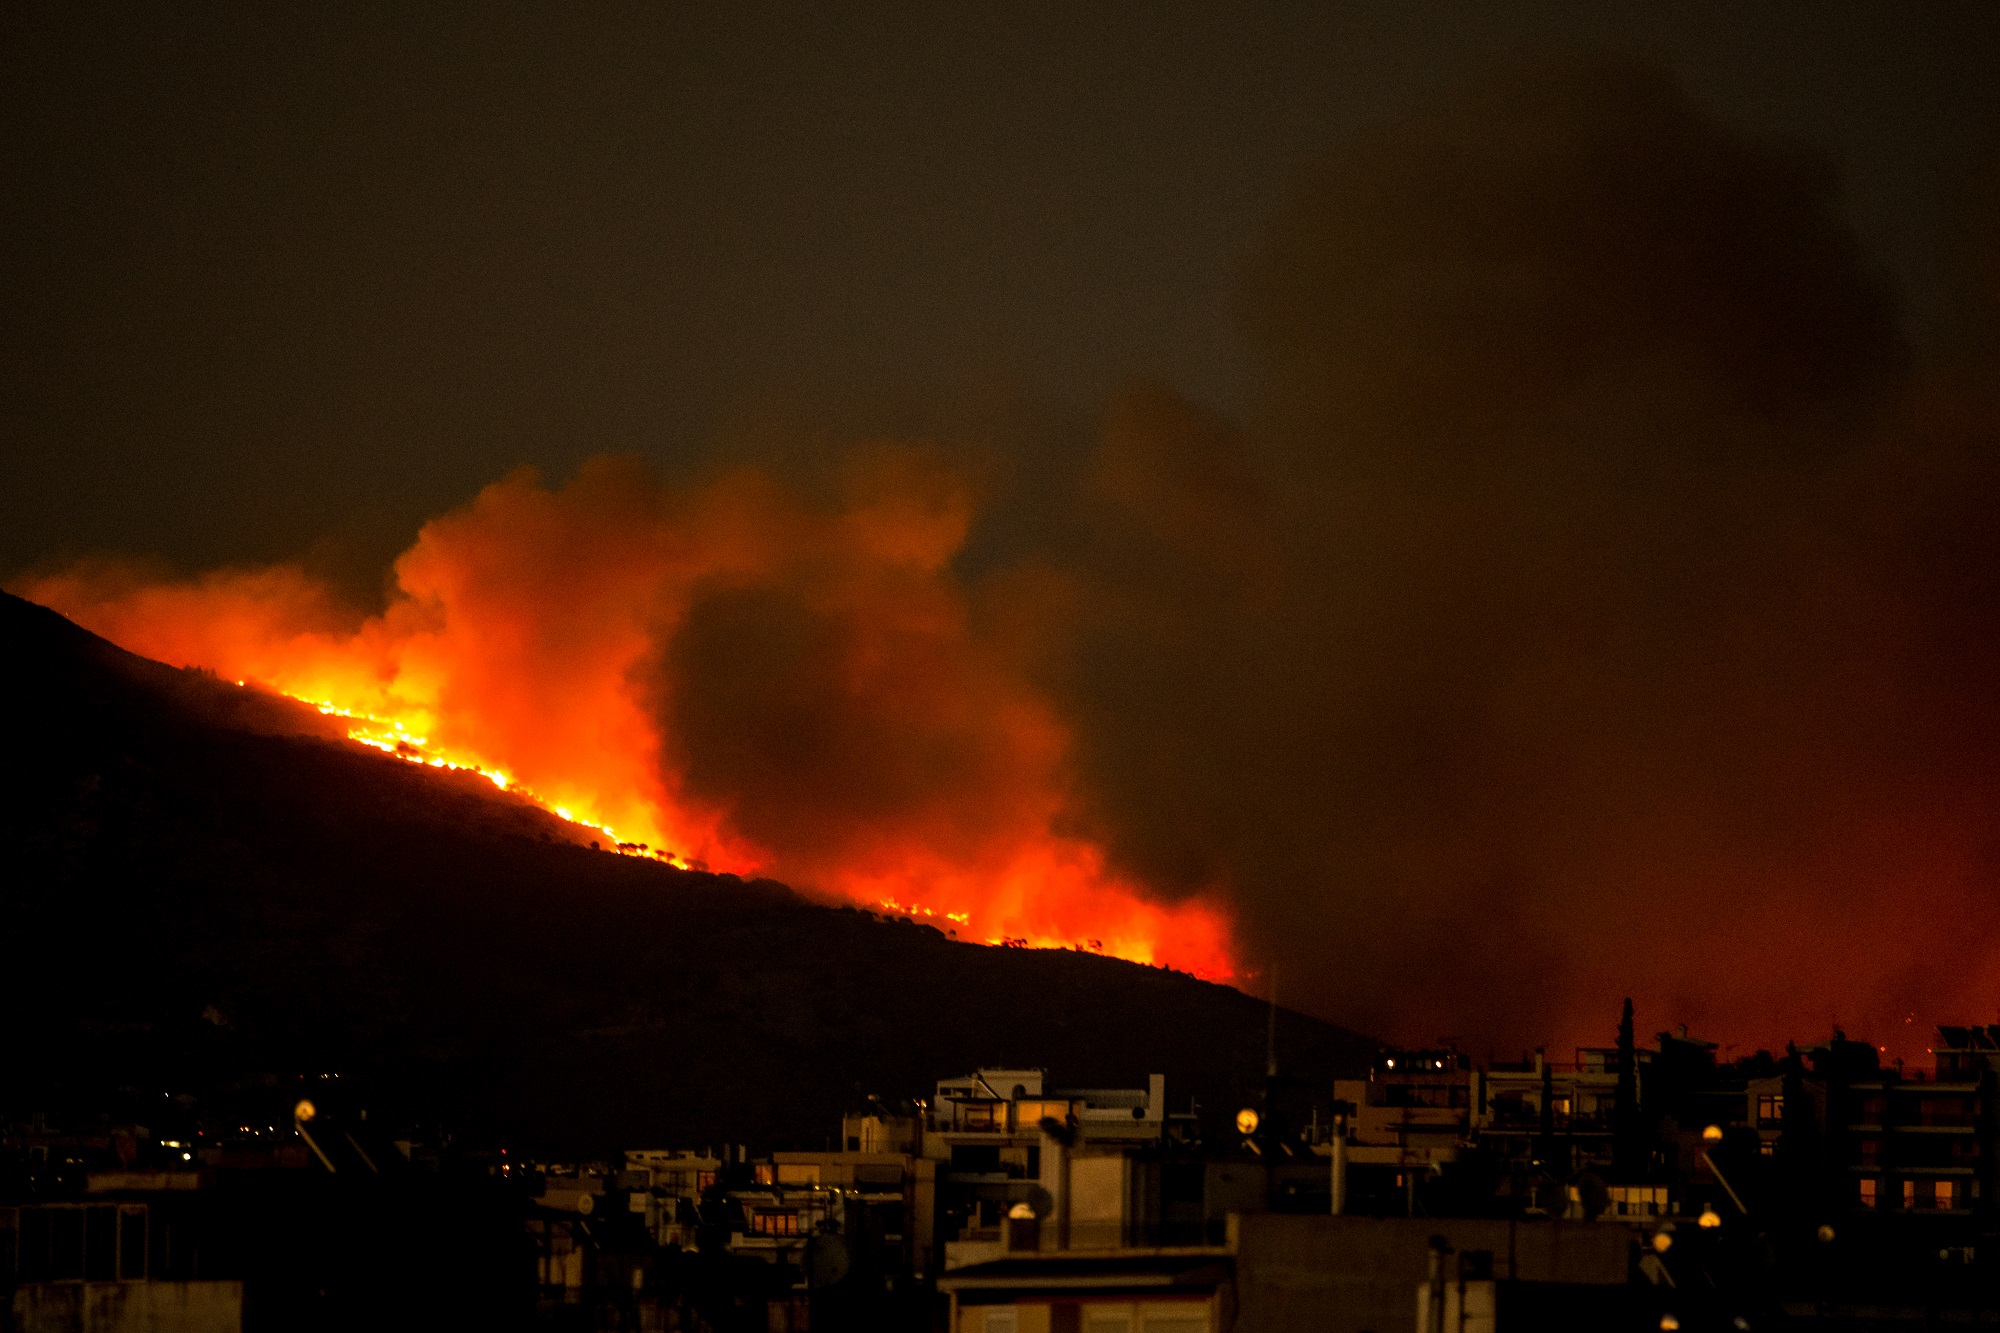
{"points": [[1633, 1186]]}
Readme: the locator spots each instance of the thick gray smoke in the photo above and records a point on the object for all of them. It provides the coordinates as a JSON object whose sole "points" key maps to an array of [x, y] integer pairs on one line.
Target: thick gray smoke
{"points": [[1599, 602]]}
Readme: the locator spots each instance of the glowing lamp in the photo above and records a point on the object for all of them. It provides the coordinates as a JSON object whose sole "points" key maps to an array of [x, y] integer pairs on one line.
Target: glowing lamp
{"points": [[1824, 1234], [1663, 1241], [1246, 1121], [1021, 1212], [1709, 1218], [1713, 1134], [1668, 1323], [304, 1111]]}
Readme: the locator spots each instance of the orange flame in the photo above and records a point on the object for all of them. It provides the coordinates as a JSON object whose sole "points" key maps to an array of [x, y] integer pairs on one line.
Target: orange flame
{"points": [[721, 676]]}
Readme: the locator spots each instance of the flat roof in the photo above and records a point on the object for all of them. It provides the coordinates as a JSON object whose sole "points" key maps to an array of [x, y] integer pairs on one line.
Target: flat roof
{"points": [[1153, 1270]]}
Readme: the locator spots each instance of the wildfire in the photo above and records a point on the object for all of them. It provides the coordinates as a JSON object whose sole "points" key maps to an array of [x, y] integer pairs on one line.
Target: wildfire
{"points": [[721, 677]]}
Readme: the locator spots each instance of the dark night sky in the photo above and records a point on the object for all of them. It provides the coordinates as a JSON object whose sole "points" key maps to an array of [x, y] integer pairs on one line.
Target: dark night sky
{"points": [[277, 276]]}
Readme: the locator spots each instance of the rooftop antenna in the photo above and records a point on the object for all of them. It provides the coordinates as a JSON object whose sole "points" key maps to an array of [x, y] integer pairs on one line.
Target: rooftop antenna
{"points": [[1271, 1032]]}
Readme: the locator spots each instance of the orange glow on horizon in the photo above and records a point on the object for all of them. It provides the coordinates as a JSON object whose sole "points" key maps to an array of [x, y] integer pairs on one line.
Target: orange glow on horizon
{"points": [[551, 641]]}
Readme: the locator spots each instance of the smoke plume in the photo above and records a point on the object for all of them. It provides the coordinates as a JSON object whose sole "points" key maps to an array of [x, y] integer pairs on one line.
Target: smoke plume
{"points": [[1597, 603], [1599, 599]]}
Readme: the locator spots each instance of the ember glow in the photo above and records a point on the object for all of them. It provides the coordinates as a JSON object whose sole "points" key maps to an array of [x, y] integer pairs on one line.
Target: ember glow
{"points": [[724, 676]]}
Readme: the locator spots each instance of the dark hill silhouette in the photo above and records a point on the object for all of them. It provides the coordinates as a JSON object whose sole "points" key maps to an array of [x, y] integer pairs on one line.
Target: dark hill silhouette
{"points": [[203, 885]]}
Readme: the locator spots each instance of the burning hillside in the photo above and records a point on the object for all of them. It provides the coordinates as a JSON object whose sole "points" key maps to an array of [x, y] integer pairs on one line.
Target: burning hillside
{"points": [[723, 677], [253, 899]]}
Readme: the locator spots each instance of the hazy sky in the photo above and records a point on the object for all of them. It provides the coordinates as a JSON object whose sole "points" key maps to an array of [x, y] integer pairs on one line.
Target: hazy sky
{"points": [[278, 277]]}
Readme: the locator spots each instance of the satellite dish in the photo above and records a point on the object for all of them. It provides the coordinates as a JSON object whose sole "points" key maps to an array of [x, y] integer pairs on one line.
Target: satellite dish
{"points": [[586, 1202], [1041, 1202], [827, 1261]]}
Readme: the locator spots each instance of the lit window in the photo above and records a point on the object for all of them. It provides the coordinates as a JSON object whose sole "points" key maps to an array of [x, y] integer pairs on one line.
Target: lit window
{"points": [[1770, 1108], [1944, 1193], [1909, 1194], [1868, 1185], [775, 1224]]}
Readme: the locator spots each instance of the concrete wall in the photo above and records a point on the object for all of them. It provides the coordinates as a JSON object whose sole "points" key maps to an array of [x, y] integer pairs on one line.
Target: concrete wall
{"points": [[1360, 1274], [128, 1307], [1098, 1189], [1186, 1315]]}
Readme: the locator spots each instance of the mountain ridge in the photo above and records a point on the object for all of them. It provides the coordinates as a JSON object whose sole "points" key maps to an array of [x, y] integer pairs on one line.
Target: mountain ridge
{"points": [[209, 883]]}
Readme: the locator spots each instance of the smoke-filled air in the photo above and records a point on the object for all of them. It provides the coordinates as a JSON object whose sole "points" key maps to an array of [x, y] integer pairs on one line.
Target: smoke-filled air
{"points": [[722, 676], [1598, 597]]}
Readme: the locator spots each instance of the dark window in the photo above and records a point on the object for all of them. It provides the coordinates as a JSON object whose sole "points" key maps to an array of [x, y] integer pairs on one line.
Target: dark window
{"points": [[854, 1143], [975, 1157], [171, 1256], [100, 1244], [1945, 1110], [10, 1246], [35, 1242], [1180, 1182], [132, 1243], [65, 1244]]}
